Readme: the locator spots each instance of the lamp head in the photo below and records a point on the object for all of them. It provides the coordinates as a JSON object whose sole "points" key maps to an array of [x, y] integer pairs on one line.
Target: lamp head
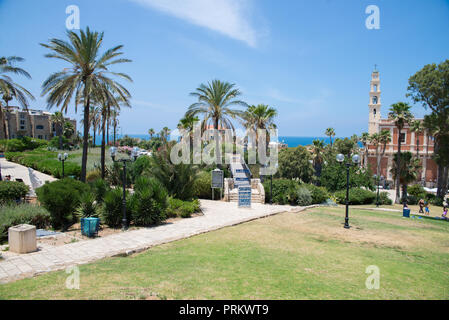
{"points": [[59, 156], [134, 153], [66, 156], [340, 158], [356, 159]]}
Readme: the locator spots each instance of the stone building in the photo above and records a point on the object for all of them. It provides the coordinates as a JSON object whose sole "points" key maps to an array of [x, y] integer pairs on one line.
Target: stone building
{"points": [[409, 141], [41, 127]]}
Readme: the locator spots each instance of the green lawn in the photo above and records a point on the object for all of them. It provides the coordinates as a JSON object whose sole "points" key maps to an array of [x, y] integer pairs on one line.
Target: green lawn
{"points": [[305, 255], [93, 157]]}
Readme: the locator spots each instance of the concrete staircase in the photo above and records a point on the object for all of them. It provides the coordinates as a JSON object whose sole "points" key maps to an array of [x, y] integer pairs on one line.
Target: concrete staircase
{"points": [[241, 176]]}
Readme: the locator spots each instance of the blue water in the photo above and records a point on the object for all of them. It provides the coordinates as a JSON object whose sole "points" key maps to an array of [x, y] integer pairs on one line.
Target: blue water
{"points": [[290, 141]]}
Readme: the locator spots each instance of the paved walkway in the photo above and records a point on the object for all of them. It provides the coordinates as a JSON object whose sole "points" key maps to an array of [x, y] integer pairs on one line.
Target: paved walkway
{"points": [[34, 179], [217, 215]]}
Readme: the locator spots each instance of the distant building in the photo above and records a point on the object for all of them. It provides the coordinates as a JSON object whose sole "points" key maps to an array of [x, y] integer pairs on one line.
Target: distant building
{"points": [[41, 127], [376, 124]]}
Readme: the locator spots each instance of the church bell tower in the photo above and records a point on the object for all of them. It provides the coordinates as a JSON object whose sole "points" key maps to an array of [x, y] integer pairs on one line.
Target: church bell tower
{"points": [[374, 103]]}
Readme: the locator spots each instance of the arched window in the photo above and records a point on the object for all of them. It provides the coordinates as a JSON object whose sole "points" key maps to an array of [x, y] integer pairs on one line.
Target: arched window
{"points": [[374, 111], [375, 88], [374, 99]]}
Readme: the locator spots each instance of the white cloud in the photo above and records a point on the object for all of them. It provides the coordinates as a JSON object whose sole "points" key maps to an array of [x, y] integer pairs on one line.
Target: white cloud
{"points": [[229, 17]]}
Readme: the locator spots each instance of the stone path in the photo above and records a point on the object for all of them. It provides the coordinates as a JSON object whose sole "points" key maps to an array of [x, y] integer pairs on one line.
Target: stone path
{"points": [[217, 215]]}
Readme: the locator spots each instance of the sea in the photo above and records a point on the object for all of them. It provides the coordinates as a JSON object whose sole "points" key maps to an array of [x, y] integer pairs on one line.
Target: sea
{"points": [[290, 141]]}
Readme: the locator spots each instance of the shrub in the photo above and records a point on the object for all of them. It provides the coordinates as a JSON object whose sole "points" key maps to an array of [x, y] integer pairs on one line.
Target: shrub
{"points": [[150, 201], [417, 191], [319, 194], [99, 188], [88, 206], [304, 196], [436, 201], [12, 190], [111, 211], [183, 209], [294, 163], [411, 199], [54, 143], [201, 186], [93, 175], [356, 196], [284, 191], [12, 215], [61, 198], [138, 167], [22, 144], [384, 198]]}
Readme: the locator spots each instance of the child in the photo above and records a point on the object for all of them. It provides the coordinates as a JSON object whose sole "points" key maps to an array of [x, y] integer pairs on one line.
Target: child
{"points": [[427, 208], [444, 213], [421, 205]]}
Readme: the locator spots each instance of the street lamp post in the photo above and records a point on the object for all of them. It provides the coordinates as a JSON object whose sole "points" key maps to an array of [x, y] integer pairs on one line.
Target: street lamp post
{"points": [[355, 160], [113, 152], [63, 158]]}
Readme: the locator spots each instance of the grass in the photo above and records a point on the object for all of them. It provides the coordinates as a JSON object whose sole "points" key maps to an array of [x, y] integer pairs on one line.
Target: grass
{"points": [[93, 157], [304, 255]]}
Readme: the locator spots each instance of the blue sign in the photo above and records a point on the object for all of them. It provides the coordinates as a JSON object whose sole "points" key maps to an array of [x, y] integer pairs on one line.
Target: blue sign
{"points": [[241, 179], [245, 196], [242, 171]]}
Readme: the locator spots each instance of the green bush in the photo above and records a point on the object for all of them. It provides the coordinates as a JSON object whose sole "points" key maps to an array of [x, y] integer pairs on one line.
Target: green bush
{"points": [[12, 190], [183, 209], [319, 194], [304, 196], [417, 191], [384, 198], [61, 198], [99, 188], [54, 143], [150, 201], [284, 191], [88, 207], [202, 185], [356, 196], [111, 211], [138, 167], [22, 144], [12, 215]]}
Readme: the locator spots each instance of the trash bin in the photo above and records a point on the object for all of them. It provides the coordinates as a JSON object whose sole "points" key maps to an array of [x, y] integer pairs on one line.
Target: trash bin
{"points": [[406, 213], [90, 226]]}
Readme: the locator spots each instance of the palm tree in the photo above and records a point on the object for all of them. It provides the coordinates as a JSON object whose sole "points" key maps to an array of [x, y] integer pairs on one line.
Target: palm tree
{"points": [[364, 139], [408, 170], [259, 117], [330, 132], [380, 140], [9, 89], [58, 120], [88, 73], [188, 124], [215, 101], [115, 121], [400, 114], [94, 120], [151, 132], [417, 127]]}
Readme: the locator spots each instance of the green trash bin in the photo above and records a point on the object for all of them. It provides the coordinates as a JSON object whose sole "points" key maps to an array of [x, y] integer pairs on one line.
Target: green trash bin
{"points": [[90, 226], [406, 213]]}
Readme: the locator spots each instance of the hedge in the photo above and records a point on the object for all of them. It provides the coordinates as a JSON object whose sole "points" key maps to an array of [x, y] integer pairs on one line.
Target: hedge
{"points": [[356, 196], [12, 215], [12, 190]]}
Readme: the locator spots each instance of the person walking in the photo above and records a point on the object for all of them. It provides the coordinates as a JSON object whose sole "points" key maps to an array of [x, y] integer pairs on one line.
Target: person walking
{"points": [[421, 206]]}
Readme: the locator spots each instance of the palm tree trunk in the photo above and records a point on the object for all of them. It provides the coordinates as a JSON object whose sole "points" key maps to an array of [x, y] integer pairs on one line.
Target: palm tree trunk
{"points": [[217, 144], [398, 173], [60, 137], [115, 128], [85, 138], [107, 125], [103, 146], [3, 115]]}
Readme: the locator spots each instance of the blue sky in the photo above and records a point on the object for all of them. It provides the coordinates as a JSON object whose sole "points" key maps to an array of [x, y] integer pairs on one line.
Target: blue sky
{"points": [[311, 60]]}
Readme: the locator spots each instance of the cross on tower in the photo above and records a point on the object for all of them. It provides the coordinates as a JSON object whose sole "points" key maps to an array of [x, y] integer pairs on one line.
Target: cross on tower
{"points": [[375, 67]]}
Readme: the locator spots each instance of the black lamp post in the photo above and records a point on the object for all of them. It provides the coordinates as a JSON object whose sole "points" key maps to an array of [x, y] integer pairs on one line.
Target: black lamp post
{"points": [[355, 160], [113, 151], [63, 158]]}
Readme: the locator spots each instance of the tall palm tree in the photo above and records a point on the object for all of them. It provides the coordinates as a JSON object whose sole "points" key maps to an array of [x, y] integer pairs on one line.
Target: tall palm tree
{"points": [[115, 113], [330, 132], [151, 132], [58, 120], [89, 73], [400, 114], [94, 120], [215, 102], [188, 123], [408, 170], [260, 117], [417, 127], [364, 139], [9, 89]]}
